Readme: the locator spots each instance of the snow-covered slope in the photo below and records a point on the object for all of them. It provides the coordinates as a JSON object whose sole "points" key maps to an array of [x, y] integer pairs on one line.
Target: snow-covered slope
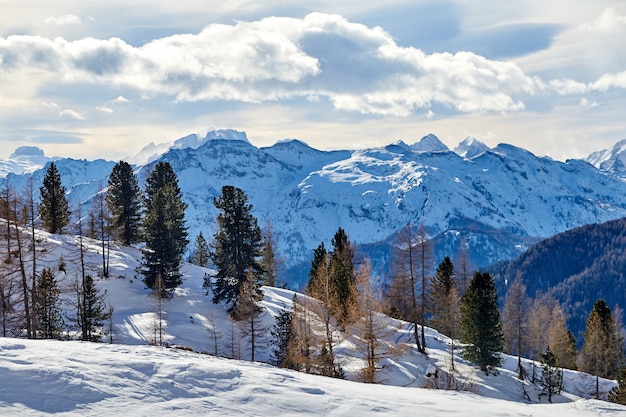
{"points": [[131, 378]]}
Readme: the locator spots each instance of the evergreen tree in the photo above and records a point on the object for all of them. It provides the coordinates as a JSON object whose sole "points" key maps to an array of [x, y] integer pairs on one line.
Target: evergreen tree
{"points": [[551, 379], [480, 322], [320, 257], [237, 245], [91, 310], [602, 354], [282, 336], [443, 295], [618, 393], [49, 316], [124, 203], [53, 208], [342, 276], [200, 255], [444, 299], [164, 228]]}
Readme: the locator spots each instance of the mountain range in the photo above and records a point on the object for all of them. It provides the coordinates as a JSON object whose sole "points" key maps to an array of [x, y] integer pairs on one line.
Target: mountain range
{"points": [[497, 200]]}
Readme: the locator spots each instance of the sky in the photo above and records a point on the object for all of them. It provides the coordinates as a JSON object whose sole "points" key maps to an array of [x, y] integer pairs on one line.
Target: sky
{"points": [[87, 79]]}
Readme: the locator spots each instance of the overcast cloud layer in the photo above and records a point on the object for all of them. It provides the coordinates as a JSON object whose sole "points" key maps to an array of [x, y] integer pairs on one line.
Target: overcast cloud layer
{"points": [[104, 81]]}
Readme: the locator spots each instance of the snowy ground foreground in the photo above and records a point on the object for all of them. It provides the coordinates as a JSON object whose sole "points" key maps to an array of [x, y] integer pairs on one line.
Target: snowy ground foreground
{"points": [[130, 378], [86, 379]]}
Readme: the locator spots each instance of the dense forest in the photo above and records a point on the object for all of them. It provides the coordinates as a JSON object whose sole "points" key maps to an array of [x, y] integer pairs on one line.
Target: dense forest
{"points": [[576, 267]]}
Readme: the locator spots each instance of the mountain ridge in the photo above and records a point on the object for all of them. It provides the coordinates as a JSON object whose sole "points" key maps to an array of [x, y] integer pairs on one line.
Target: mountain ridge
{"points": [[497, 200]]}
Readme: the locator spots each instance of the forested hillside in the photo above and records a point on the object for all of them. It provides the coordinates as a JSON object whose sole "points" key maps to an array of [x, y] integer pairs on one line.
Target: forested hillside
{"points": [[577, 267]]}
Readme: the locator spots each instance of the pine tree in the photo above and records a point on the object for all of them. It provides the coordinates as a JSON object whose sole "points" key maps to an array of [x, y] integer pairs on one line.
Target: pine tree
{"points": [[480, 322], [124, 203], [237, 245], [164, 228], [444, 299], [320, 257], [282, 336], [95, 308], [53, 208], [342, 276], [443, 296], [551, 379], [618, 393], [200, 255], [602, 354], [48, 307]]}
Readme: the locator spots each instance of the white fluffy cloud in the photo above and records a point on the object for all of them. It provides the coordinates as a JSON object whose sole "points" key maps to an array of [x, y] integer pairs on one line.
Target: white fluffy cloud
{"points": [[68, 19], [355, 67]]}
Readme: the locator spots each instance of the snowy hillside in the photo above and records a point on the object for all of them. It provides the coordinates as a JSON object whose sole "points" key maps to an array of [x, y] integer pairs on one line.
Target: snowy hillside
{"points": [[131, 378], [498, 200]]}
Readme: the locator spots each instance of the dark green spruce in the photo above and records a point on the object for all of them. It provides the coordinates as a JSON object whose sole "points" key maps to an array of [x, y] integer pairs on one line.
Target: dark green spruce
{"points": [[236, 248], [53, 208], [164, 228], [124, 203], [480, 325]]}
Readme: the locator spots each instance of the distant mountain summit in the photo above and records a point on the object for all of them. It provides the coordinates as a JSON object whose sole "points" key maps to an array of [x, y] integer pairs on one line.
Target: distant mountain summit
{"points": [[610, 159], [429, 143], [24, 160], [152, 151], [470, 147]]}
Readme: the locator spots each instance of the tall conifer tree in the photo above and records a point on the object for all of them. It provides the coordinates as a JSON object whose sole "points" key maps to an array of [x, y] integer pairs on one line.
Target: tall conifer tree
{"points": [[53, 209], [124, 203], [48, 307], [165, 231], [342, 276], [237, 245], [480, 322]]}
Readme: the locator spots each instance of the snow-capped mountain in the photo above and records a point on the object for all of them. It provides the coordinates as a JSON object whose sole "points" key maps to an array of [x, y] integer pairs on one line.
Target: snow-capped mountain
{"points": [[610, 159], [470, 147], [24, 160], [498, 200]]}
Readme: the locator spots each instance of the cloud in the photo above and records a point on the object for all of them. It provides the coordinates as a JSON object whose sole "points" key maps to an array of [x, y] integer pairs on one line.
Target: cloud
{"points": [[608, 81], [609, 21], [354, 67], [68, 19], [73, 114]]}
